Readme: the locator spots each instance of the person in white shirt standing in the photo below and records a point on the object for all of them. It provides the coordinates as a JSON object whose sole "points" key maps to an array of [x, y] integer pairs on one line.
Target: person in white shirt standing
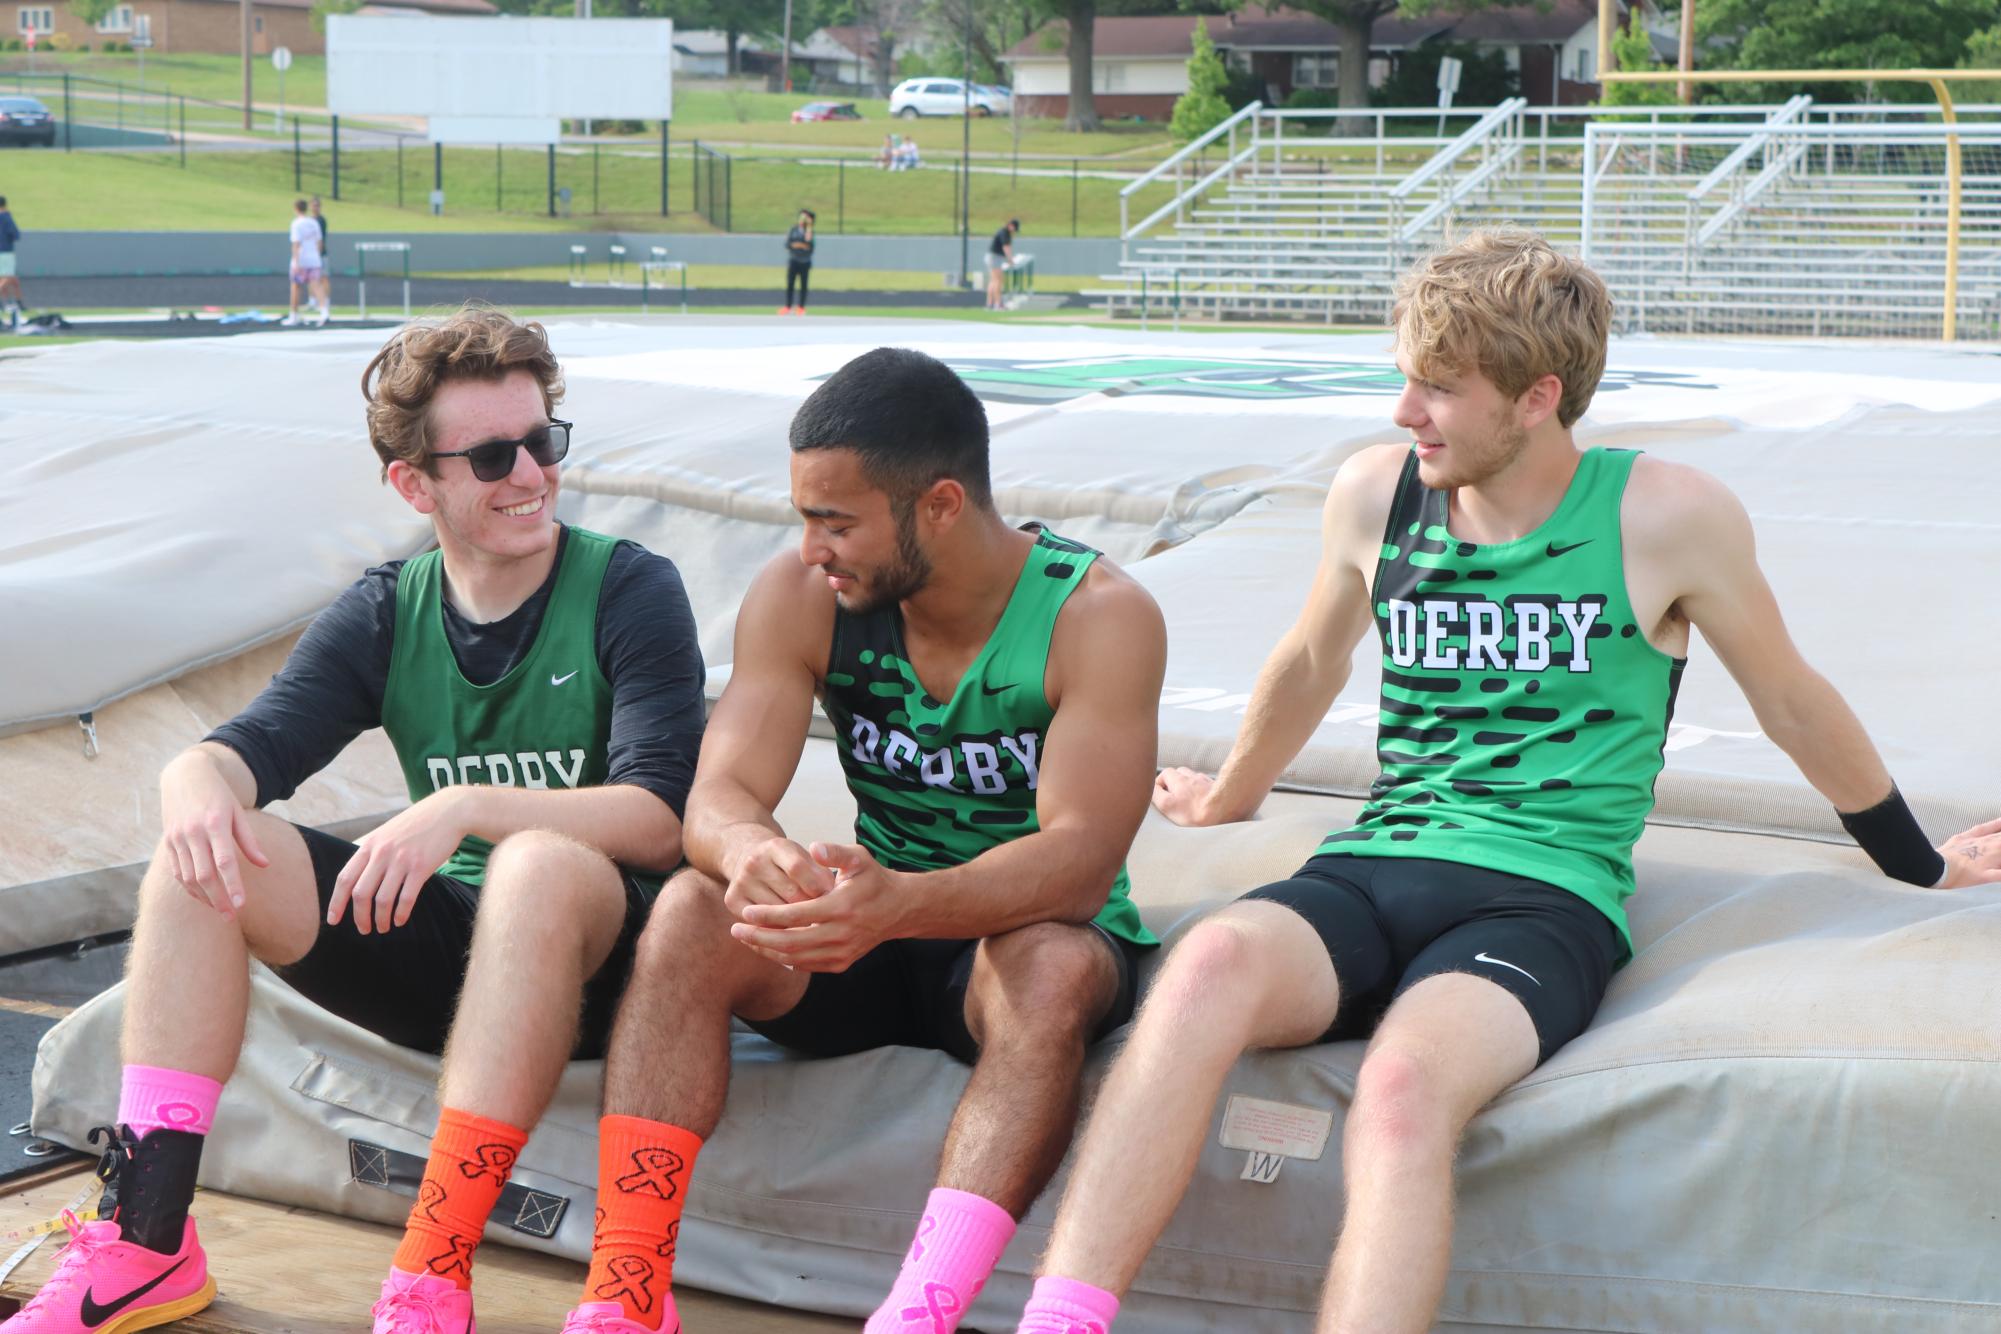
{"points": [[307, 264]]}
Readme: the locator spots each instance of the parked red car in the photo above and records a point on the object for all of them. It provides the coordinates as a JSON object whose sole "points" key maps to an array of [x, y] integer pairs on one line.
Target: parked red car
{"points": [[825, 111]]}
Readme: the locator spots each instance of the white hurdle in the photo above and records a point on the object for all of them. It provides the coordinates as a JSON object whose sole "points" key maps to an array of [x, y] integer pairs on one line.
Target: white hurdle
{"points": [[362, 250]]}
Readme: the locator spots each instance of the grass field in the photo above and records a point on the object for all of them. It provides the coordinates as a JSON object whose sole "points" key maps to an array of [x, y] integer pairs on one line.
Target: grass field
{"points": [[485, 190], [709, 110]]}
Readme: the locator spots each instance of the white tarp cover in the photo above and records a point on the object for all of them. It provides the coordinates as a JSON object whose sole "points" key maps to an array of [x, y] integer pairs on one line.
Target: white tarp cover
{"points": [[1770, 1126], [1776, 1122]]}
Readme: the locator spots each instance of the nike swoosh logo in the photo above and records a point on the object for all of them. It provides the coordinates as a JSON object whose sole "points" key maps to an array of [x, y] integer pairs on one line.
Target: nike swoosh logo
{"points": [[1554, 550], [94, 1315], [1484, 957], [986, 689], [558, 680]]}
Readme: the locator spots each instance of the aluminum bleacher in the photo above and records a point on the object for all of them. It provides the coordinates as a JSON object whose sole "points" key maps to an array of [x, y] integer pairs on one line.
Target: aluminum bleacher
{"points": [[1758, 220]]}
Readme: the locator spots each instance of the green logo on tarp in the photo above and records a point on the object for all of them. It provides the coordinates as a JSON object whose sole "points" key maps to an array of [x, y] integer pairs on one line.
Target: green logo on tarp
{"points": [[1244, 378]]}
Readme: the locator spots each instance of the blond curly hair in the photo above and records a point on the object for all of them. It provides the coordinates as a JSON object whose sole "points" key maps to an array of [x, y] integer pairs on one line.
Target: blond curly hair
{"points": [[1505, 303], [476, 342]]}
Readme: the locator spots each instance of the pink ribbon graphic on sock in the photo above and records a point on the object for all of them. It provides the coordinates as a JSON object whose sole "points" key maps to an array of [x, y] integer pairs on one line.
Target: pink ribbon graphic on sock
{"points": [[924, 1229], [178, 1115], [940, 1303]]}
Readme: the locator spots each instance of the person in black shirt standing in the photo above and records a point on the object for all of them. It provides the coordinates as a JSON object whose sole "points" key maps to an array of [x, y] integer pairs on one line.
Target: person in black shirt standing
{"points": [[798, 262], [1000, 254]]}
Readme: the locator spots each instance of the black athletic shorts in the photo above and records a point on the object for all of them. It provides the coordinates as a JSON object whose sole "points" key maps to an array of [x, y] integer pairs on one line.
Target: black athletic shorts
{"points": [[404, 985], [1390, 922], [912, 993]]}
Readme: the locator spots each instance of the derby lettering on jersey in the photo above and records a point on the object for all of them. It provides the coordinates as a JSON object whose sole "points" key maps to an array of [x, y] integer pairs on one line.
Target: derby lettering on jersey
{"points": [[519, 769], [1429, 633], [986, 774]]}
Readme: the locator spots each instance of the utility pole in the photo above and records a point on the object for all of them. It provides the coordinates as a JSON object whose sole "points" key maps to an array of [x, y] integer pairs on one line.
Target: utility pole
{"points": [[785, 54], [1687, 51], [966, 163], [245, 7], [584, 12]]}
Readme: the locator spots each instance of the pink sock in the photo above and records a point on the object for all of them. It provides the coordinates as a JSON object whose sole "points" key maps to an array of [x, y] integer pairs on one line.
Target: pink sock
{"points": [[158, 1099], [958, 1243], [1065, 1306]]}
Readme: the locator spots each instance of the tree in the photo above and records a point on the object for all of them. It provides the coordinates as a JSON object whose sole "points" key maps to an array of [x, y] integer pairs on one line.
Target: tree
{"points": [[1837, 34], [92, 12], [1204, 106], [1078, 30], [1484, 77], [1983, 51], [1633, 51], [996, 26], [1357, 21]]}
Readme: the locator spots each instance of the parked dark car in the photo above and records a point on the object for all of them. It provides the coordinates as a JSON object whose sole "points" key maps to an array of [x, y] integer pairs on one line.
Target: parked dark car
{"points": [[23, 120], [826, 111]]}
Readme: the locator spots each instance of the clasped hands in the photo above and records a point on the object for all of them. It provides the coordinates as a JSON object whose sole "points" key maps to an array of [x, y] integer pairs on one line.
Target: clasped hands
{"points": [[816, 909]]}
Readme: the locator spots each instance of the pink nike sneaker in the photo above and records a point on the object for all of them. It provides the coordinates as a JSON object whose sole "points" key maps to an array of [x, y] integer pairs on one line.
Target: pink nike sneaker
{"points": [[423, 1304], [103, 1285], [610, 1318]]}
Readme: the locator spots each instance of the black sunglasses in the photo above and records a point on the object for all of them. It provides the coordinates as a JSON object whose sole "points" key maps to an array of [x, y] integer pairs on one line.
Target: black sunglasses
{"points": [[495, 459]]}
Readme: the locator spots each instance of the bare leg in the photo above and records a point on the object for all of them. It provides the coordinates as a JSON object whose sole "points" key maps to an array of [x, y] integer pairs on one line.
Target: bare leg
{"points": [[188, 984], [549, 914], [1448, 1047], [670, 1050], [1253, 975], [1036, 996]]}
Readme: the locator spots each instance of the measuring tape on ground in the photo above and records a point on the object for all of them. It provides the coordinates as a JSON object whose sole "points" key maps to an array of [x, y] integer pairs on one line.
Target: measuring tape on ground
{"points": [[31, 1237]]}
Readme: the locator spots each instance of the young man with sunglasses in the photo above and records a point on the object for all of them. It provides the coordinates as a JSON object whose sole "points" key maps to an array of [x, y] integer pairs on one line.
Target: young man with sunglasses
{"points": [[542, 687]]}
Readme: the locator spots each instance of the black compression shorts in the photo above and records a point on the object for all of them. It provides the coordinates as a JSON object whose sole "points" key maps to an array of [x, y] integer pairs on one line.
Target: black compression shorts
{"points": [[404, 985], [912, 993], [1390, 922]]}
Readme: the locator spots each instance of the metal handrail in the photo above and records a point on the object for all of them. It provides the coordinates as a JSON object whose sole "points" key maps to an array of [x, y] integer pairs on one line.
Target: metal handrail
{"points": [[1759, 184], [1173, 205], [1250, 111], [1472, 181], [1788, 114], [1445, 157], [1229, 127]]}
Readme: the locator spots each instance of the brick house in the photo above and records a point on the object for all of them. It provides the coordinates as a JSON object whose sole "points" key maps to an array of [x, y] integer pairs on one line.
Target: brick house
{"points": [[209, 26], [1140, 65]]}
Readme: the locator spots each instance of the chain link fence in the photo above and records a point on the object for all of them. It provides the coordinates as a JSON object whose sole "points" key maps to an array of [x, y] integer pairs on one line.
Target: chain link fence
{"points": [[606, 176]]}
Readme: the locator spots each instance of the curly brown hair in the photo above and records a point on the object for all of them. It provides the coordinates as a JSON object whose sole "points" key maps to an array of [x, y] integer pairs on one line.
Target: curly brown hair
{"points": [[1504, 302], [476, 342]]}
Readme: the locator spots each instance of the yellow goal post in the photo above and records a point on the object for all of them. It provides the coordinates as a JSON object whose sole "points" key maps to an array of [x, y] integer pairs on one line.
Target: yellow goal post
{"points": [[1938, 79]]}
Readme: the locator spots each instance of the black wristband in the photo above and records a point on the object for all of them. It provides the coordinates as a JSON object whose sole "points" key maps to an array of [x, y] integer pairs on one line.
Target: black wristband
{"points": [[1890, 834]]}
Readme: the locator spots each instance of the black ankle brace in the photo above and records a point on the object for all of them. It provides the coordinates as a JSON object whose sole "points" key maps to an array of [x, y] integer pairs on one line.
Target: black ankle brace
{"points": [[148, 1184]]}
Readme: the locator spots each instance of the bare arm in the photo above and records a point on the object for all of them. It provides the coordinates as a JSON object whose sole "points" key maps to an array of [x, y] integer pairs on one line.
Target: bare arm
{"points": [[204, 793], [1725, 595], [626, 823], [754, 738], [1308, 667], [1106, 663]]}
